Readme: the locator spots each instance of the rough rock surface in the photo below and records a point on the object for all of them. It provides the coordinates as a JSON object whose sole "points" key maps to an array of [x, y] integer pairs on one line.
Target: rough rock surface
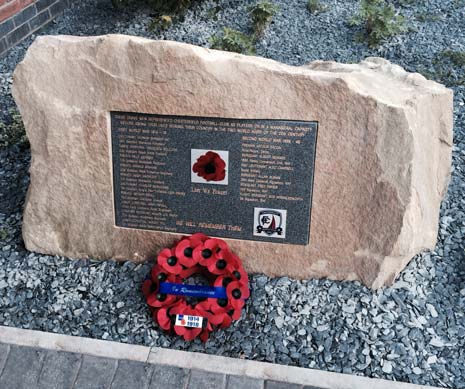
{"points": [[382, 164]]}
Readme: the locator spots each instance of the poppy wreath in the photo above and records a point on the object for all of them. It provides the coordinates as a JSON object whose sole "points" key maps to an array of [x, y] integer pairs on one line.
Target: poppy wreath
{"points": [[210, 167], [211, 258]]}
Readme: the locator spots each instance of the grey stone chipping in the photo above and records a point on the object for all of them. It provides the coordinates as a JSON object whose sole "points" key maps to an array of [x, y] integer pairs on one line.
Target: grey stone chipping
{"points": [[413, 331]]}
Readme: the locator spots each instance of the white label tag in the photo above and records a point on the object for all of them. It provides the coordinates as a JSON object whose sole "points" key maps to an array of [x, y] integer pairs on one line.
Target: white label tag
{"points": [[189, 321]]}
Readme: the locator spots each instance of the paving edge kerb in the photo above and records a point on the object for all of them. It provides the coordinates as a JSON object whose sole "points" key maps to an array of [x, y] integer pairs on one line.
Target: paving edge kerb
{"points": [[197, 361]]}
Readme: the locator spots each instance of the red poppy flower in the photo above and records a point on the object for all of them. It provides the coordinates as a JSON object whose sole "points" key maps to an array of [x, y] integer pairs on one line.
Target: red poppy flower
{"points": [[205, 334], [169, 262], [210, 167], [149, 287], [163, 318], [236, 313], [237, 293], [216, 246], [219, 305], [225, 262], [240, 274], [184, 250], [210, 251], [201, 254], [155, 270], [222, 320], [157, 300], [223, 280], [204, 309], [197, 238], [159, 274], [188, 333], [190, 271]]}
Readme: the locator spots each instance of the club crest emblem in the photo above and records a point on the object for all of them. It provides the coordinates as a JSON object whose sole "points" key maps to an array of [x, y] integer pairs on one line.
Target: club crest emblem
{"points": [[270, 222]]}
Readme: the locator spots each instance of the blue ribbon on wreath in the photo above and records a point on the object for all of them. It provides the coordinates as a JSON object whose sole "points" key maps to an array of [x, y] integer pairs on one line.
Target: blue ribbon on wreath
{"points": [[200, 291]]}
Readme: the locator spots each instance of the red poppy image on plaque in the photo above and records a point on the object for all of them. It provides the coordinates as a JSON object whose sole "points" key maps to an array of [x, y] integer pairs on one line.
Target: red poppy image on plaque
{"points": [[209, 166]]}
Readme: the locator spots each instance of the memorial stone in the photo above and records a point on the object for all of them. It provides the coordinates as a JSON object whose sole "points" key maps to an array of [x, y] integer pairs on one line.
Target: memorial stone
{"points": [[322, 170]]}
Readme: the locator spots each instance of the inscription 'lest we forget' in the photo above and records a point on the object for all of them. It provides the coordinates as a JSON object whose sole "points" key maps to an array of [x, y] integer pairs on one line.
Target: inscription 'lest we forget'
{"points": [[231, 178]]}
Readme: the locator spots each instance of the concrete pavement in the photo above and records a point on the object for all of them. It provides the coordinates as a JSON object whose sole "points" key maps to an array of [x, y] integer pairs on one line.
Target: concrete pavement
{"points": [[34, 359]]}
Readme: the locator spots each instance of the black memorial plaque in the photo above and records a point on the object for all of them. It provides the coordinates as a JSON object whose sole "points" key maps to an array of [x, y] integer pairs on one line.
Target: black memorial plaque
{"points": [[231, 178]]}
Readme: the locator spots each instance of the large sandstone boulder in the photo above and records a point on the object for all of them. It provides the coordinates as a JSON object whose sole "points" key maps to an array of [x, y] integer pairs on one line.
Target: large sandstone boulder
{"points": [[382, 163]]}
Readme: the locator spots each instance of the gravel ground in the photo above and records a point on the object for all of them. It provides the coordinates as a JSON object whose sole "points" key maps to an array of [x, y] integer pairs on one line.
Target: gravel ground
{"points": [[413, 331]]}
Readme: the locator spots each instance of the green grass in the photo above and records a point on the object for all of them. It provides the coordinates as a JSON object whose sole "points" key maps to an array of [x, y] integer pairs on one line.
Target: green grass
{"points": [[159, 6], [426, 17], [380, 21], [162, 22], [261, 15], [447, 67], [4, 234], [456, 57], [13, 132], [213, 12], [314, 6], [234, 41]]}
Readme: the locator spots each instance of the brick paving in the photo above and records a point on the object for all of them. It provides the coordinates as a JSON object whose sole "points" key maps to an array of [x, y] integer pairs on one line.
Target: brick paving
{"points": [[28, 367]]}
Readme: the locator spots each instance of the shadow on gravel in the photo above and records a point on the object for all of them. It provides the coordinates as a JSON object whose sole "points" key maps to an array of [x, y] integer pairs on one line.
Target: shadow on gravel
{"points": [[14, 178]]}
